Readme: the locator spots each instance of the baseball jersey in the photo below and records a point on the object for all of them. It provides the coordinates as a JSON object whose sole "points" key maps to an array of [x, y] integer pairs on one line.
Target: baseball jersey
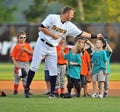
{"points": [[60, 57], [73, 70], [54, 24], [99, 59], [85, 60], [108, 53], [20, 55]]}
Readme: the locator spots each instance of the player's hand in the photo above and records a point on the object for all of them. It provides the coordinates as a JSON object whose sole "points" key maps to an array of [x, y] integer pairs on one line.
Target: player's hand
{"points": [[56, 36], [100, 35]]}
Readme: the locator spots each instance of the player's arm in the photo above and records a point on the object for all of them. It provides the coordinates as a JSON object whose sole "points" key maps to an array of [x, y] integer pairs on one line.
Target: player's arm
{"points": [[48, 32], [88, 35]]}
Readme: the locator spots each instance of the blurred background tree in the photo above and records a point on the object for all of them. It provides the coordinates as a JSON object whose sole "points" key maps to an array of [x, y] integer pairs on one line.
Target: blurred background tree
{"points": [[6, 13], [34, 11]]}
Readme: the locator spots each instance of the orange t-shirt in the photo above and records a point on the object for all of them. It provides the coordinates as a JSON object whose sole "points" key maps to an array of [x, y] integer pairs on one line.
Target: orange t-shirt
{"points": [[85, 60], [20, 55], [60, 57]]}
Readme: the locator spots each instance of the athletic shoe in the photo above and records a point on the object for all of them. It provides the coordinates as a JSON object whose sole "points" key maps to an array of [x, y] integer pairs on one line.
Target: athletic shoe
{"points": [[52, 95], [26, 93], [30, 93], [88, 95], [105, 94], [48, 93], [62, 95], [100, 96], [94, 95], [15, 92]]}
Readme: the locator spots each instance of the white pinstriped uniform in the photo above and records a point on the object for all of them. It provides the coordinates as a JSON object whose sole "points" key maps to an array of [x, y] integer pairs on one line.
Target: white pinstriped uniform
{"points": [[54, 24]]}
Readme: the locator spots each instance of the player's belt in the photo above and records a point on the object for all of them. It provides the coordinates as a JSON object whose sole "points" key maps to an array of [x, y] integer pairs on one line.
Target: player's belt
{"points": [[46, 43]]}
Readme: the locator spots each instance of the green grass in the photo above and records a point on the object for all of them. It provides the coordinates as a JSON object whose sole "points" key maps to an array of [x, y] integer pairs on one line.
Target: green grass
{"points": [[6, 71], [41, 103]]}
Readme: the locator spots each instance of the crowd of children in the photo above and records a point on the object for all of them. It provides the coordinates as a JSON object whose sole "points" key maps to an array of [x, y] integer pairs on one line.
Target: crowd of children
{"points": [[73, 61], [80, 64]]}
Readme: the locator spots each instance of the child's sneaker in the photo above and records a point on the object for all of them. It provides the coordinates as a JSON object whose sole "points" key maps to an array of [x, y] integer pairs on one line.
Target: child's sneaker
{"points": [[100, 96], [94, 95], [105, 94], [52, 95], [15, 92]]}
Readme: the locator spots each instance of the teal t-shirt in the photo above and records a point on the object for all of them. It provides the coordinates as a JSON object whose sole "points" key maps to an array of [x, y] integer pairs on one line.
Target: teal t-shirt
{"points": [[99, 58], [73, 70], [108, 53]]}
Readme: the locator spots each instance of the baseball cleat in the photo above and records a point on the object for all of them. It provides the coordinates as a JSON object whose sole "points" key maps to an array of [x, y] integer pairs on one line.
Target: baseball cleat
{"points": [[26, 93]]}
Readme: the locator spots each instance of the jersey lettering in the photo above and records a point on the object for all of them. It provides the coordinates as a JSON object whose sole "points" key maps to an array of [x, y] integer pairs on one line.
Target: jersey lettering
{"points": [[59, 29]]}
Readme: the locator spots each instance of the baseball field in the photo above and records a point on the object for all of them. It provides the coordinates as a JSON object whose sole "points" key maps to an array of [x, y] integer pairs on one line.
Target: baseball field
{"points": [[41, 103]]}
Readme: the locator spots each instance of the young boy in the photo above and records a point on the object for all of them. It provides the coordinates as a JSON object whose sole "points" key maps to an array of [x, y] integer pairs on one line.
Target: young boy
{"points": [[20, 55], [61, 67], [99, 67], [108, 51], [74, 67], [85, 67]]}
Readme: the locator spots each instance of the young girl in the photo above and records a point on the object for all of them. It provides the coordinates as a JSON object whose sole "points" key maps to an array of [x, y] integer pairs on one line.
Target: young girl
{"points": [[74, 67], [99, 67], [21, 55]]}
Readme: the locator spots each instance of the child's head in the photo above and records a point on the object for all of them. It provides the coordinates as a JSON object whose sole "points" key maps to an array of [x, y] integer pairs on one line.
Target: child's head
{"points": [[81, 42], [21, 37], [100, 43]]}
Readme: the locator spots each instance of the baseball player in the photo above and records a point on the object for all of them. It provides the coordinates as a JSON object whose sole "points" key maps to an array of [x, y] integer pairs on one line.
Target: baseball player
{"points": [[52, 30], [20, 54]]}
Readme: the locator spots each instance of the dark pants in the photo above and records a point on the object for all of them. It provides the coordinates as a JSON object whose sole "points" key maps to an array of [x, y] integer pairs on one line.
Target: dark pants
{"points": [[76, 83]]}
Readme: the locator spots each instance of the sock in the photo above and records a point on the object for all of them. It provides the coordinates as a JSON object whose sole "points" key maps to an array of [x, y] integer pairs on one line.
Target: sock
{"points": [[24, 86], [15, 87], [30, 78], [62, 90], [57, 91], [53, 83]]}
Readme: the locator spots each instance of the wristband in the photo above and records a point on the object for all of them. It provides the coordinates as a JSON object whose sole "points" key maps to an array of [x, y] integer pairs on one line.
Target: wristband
{"points": [[93, 36]]}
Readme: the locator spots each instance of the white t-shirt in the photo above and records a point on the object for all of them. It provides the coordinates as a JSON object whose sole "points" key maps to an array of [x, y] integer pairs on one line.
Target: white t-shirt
{"points": [[54, 24]]}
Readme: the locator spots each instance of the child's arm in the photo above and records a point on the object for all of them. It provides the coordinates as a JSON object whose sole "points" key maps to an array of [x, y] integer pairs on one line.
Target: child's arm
{"points": [[90, 44], [106, 71], [108, 47], [15, 63]]}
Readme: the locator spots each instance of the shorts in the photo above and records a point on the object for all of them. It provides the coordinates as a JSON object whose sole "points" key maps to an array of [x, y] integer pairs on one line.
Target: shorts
{"points": [[83, 80], [47, 77], [98, 76]]}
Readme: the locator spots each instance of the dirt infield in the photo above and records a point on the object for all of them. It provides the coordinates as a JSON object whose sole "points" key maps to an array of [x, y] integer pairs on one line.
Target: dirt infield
{"points": [[39, 87]]}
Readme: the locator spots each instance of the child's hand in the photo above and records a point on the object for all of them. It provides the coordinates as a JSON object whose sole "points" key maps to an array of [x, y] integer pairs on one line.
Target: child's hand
{"points": [[23, 49], [105, 73]]}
